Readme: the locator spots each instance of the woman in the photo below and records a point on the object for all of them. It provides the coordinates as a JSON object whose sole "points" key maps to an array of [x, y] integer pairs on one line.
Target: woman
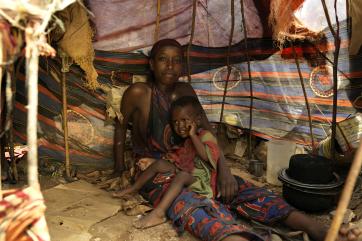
{"points": [[146, 106]]}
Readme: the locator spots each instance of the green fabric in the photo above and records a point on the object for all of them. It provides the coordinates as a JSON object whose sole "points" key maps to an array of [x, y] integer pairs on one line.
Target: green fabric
{"points": [[202, 170], [202, 175]]}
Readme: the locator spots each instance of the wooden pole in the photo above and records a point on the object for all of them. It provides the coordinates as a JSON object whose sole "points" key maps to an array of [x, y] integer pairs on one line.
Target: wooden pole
{"points": [[232, 12], [250, 150], [66, 63], [305, 98], [194, 5], [32, 61], [346, 195], [1, 76], [10, 105], [337, 44], [65, 125], [158, 17]]}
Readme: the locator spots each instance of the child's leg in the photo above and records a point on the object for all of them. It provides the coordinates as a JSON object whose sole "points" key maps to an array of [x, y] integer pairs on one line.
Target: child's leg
{"points": [[181, 180], [158, 166], [158, 215]]}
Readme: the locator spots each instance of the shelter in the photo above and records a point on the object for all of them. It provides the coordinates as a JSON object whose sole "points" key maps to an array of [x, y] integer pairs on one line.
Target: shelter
{"points": [[122, 40], [273, 67]]}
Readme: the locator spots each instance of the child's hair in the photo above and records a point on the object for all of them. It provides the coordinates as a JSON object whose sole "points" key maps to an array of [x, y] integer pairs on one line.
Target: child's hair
{"points": [[186, 101]]}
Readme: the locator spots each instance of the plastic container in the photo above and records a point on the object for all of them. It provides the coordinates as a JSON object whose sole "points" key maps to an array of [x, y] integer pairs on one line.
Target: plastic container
{"points": [[278, 156]]}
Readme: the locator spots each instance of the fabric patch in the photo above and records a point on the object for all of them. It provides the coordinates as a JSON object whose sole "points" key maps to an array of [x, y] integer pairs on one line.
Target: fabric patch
{"points": [[321, 81]]}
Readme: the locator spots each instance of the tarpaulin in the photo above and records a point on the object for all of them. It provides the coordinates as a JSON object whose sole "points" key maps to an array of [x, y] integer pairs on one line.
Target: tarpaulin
{"points": [[130, 24], [279, 106]]}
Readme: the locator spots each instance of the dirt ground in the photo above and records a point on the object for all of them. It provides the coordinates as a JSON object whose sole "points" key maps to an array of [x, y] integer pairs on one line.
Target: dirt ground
{"points": [[82, 211]]}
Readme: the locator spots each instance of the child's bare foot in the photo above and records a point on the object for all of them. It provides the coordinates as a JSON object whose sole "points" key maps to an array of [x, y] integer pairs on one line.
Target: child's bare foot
{"points": [[154, 218], [123, 192]]}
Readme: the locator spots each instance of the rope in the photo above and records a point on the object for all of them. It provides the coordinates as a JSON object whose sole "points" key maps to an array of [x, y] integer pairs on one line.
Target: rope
{"points": [[191, 39], [228, 60], [250, 151]]}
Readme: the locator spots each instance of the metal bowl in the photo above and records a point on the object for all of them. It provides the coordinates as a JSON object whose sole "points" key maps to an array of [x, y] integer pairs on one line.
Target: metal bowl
{"points": [[310, 197]]}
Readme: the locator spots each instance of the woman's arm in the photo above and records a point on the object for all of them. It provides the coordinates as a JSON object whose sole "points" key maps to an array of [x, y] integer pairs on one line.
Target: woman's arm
{"points": [[130, 102], [119, 140]]}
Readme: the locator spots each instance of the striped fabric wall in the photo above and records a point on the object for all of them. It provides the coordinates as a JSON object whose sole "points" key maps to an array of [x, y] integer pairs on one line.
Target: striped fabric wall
{"points": [[279, 106]]}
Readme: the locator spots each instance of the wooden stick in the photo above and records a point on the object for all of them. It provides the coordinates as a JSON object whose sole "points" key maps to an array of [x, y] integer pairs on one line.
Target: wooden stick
{"points": [[250, 150], [1, 75], [32, 62], [65, 125], [158, 17], [346, 195], [194, 5], [10, 105], [66, 63], [228, 59], [305, 98], [337, 44]]}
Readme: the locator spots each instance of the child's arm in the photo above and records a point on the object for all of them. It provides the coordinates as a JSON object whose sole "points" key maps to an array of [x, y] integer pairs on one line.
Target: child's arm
{"points": [[199, 146]]}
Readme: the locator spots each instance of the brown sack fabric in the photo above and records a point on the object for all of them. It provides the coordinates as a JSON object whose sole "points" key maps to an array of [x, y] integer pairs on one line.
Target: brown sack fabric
{"points": [[77, 40]]}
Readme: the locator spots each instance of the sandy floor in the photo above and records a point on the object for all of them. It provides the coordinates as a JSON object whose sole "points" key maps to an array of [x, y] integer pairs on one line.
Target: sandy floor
{"points": [[81, 211]]}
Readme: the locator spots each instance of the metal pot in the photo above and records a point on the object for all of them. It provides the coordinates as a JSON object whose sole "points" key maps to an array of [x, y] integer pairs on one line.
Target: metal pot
{"points": [[310, 197], [312, 169]]}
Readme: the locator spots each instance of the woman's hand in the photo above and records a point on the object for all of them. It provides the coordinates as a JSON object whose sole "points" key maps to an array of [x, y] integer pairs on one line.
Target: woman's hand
{"points": [[227, 184]]}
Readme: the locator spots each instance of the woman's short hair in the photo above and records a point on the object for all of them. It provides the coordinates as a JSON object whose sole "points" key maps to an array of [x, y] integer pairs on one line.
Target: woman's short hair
{"points": [[163, 43]]}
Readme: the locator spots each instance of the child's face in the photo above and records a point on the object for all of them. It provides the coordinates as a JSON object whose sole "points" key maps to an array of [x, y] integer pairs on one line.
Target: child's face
{"points": [[182, 117]]}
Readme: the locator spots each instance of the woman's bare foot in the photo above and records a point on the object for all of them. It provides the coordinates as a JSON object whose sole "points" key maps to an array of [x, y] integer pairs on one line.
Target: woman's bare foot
{"points": [[316, 230], [154, 218], [349, 234]]}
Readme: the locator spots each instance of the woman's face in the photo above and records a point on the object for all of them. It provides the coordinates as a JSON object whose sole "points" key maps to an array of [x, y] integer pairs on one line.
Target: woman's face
{"points": [[167, 65]]}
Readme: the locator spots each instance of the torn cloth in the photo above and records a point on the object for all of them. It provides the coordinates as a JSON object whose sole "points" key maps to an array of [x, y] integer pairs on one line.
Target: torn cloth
{"points": [[22, 216]]}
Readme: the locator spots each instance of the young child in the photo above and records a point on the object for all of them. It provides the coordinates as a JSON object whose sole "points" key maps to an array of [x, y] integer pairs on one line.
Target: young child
{"points": [[194, 163]]}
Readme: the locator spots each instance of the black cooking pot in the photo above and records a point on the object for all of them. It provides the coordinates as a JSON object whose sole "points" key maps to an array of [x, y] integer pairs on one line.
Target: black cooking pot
{"points": [[310, 197], [311, 169]]}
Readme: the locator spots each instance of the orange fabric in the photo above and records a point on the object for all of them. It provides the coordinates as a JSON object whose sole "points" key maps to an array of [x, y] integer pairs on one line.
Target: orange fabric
{"points": [[295, 4]]}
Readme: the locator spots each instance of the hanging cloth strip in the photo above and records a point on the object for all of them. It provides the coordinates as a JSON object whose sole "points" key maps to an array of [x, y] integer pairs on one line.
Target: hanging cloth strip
{"points": [[22, 216]]}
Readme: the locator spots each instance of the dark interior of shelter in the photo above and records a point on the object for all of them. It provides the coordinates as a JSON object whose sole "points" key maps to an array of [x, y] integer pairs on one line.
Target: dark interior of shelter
{"points": [[279, 83]]}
